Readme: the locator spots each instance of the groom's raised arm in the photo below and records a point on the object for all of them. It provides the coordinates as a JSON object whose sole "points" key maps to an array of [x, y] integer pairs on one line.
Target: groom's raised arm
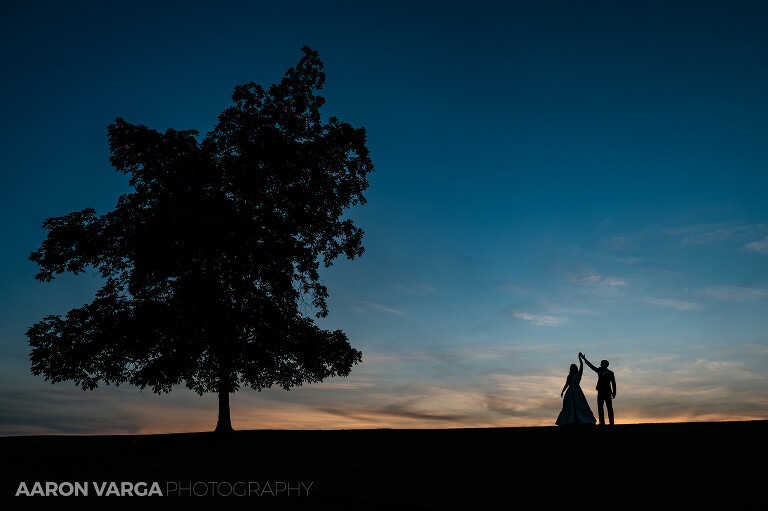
{"points": [[590, 364]]}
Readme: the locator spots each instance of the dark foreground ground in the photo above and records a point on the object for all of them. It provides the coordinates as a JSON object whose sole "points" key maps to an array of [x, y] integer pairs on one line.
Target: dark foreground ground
{"points": [[645, 466]]}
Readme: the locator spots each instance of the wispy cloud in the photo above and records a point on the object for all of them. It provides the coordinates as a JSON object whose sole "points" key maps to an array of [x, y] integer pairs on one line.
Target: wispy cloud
{"points": [[682, 305], [536, 319], [598, 280], [395, 410], [567, 310], [761, 247], [683, 388], [461, 355], [362, 305], [704, 234], [107, 410], [502, 405], [736, 294]]}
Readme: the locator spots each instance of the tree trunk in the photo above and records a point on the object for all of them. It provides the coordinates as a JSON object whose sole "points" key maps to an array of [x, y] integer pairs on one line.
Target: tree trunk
{"points": [[224, 425]]}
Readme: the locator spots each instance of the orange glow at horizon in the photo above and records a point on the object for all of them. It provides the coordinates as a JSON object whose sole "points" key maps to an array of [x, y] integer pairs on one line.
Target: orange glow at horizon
{"points": [[371, 399], [293, 420]]}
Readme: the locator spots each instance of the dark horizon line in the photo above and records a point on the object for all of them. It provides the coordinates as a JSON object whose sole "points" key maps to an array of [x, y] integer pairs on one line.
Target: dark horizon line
{"points": [[489, 428]]}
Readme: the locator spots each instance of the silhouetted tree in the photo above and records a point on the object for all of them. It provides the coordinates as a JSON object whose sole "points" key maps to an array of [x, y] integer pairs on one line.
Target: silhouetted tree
{"points": [[212, 261]]}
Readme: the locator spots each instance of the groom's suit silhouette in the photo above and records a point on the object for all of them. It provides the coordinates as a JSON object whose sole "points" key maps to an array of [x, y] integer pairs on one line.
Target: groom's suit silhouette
{"points": [[606, 389]]}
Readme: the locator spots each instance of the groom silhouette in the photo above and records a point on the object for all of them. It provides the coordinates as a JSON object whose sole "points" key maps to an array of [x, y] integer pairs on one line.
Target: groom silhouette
{"points": [[606, 388]]}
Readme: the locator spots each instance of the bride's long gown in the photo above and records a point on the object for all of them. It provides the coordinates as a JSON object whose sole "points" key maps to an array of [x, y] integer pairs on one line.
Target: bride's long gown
{"points": [[575, 407]]}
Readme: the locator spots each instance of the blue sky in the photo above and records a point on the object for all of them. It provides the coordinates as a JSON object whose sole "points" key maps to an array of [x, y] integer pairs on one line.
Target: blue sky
{"points": [[551, 177]]}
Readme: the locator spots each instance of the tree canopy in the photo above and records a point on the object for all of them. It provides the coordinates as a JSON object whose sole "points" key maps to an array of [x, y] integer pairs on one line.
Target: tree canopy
{"points": [[211, 263]]}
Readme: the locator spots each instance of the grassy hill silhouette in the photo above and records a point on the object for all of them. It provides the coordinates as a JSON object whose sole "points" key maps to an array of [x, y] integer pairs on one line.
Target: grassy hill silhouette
{"points": [[642, 466]]}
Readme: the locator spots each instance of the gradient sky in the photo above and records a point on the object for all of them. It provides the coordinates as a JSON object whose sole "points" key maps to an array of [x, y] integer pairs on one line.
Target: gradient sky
{"points": [[551, 177]]}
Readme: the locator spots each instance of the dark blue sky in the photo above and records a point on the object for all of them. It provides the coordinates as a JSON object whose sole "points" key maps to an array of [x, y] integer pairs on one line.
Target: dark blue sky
{"points": [[550, 177]]}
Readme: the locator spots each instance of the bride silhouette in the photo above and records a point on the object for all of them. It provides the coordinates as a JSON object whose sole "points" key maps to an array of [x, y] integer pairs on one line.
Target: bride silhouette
{"points": [[575, 407]]}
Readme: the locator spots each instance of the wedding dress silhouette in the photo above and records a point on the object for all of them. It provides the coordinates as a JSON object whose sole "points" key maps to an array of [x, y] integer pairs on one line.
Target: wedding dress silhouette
{"points": [[575, 407]]}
